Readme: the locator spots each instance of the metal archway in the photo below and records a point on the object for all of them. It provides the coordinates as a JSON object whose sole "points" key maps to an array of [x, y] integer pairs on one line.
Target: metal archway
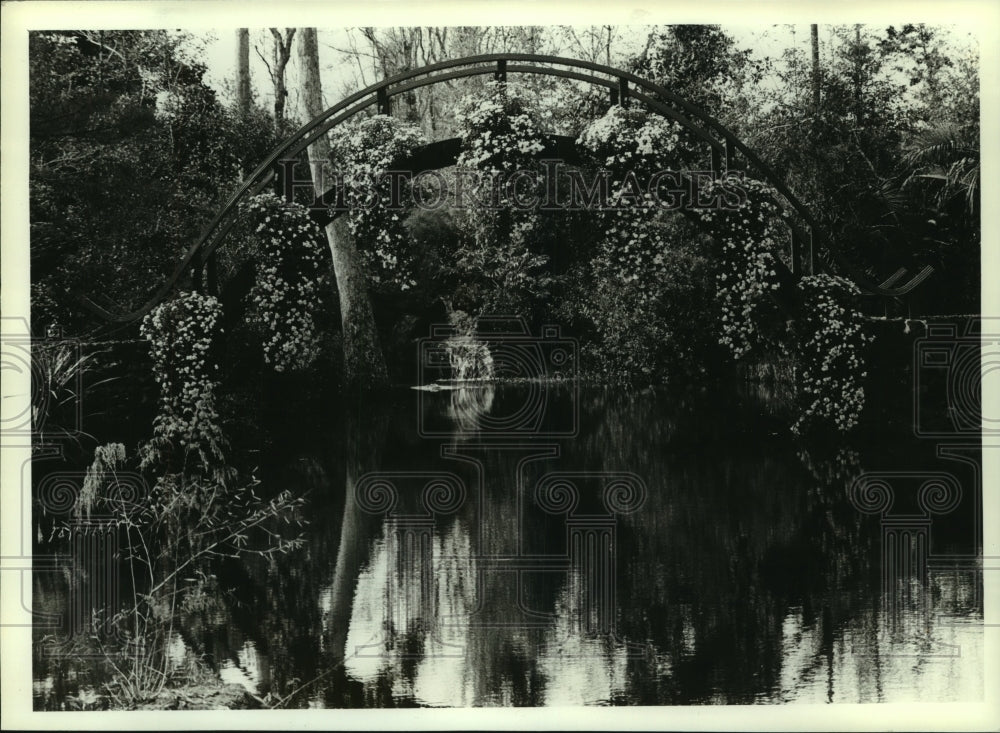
{"points": [[725, 149]]}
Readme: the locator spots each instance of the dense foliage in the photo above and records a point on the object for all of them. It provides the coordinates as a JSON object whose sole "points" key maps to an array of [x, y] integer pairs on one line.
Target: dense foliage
{"points": [[364, 153], [291, 259], [750, 235], [819, 330], [646, 285], [631, 147], [878, 140], [183, 336], [131, 153], [499, 255], [828, 345]]}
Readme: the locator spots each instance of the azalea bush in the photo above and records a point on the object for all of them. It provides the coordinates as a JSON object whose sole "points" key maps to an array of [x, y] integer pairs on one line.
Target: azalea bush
{"points": [[500, 130], [363, 152], [183, 335], [646, 285], [828, 343], [499, 257], [631, 147], [290, 253], [750, 235]]}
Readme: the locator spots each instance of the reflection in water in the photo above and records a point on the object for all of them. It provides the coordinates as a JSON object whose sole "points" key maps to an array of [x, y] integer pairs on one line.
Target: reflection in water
{"points": [[249, 669], [745, 574], [409, 626], [580, 668], [468, 405], [932, 659]]}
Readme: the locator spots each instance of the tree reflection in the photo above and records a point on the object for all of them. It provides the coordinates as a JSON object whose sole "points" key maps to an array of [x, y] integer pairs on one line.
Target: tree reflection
{"points": [[746, 576]]}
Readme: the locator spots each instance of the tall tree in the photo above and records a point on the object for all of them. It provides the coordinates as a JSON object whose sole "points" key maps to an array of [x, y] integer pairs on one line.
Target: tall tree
{"points": [[703, 65], [243, 71], [364, 364], [281, 54], [814, 37]]}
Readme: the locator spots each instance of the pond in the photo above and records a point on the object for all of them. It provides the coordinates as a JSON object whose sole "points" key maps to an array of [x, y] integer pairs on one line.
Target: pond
{"points": [[549, 545]]}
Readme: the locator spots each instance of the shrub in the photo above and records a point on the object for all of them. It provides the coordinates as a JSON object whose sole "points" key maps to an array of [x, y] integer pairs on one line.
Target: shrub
{"points": [[187, 432], [749, 235], [499, 259], [194, 512], [364, 152], [290, 252], [631, 147], [828, 344]]}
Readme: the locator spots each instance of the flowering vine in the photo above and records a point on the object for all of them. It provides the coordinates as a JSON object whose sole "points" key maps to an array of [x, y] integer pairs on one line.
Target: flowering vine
{"points": [[632, 147], [364, 153], [182, 333], [499, 130], [501, 137], [749, 232], [289, 274], [828, 344]]}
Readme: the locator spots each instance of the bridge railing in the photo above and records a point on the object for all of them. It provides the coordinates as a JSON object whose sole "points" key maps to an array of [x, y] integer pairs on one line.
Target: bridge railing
{"points": [[810, 248]]}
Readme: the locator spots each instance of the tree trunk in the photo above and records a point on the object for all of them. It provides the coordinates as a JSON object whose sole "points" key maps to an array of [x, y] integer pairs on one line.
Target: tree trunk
{"points": [[364, 429], [814, 32], [279, 101], [859, 72], [243, 71], [364, 365], [281, 54]]}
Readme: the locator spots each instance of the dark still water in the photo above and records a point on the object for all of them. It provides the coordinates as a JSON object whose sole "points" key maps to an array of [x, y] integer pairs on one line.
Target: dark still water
{"points": [[530, 545]]}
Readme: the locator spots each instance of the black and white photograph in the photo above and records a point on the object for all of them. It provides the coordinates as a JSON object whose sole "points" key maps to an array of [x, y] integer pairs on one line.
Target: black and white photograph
{"points": [[478, 360]]}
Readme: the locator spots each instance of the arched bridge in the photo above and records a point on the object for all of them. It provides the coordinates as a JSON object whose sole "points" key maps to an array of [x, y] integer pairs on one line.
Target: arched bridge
{"points": [[810, 248]]}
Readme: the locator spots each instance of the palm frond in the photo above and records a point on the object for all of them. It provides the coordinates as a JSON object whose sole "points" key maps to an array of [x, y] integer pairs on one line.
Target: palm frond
{"points": [[948, 155], [939, 145]]}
